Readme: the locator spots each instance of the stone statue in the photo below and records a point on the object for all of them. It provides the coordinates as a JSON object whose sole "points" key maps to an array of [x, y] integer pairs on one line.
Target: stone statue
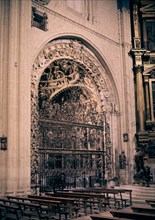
{"points": [[147, 175], [122, 160], [139, 160]]}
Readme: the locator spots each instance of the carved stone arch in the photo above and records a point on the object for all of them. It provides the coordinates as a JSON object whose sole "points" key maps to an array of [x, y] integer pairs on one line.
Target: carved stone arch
{"points": [[77, 67], [75, 50]]}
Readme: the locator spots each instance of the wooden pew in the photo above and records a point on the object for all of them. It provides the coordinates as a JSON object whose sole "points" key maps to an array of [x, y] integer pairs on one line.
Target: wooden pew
{"points": [[30, 209], [129, 214], [71, 204], [23, 209], [104, 196], [10, 212], [54, 205], [101, 217], [152, 204], [85, 201], [143, 209], [150, 201], [107, 191]]}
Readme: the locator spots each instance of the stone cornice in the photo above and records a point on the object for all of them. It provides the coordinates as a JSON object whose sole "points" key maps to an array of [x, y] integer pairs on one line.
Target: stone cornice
{"points": [[74, 22], [138, 52]]}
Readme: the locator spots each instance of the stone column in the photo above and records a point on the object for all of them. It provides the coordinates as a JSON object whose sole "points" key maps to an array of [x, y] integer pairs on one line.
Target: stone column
{"points": [[24, 98], [138, 53], [140, 97]]}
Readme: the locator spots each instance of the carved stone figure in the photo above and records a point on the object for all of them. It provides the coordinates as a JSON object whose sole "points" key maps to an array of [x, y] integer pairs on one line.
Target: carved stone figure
{"points": [[122, 160], [139, 160], [147, 174]]}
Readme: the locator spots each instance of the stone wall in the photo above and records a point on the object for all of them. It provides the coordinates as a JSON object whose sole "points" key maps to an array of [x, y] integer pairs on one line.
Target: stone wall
{"points": [[104, 29]]}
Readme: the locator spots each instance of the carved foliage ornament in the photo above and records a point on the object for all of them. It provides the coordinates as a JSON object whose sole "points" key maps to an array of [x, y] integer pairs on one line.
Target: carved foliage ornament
{"points": [[61, 74], [73, 104]]}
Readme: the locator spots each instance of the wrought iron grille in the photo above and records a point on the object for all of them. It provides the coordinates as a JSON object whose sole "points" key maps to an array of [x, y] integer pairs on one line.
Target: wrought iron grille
{"points": [[69, 157]]}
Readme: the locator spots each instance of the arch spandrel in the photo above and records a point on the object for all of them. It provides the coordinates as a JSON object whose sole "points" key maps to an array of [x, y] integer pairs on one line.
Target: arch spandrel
{"points": [[87, 74]]}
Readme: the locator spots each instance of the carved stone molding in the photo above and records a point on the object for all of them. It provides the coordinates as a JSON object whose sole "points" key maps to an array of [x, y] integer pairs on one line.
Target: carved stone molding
{"points": [[42, 2]]}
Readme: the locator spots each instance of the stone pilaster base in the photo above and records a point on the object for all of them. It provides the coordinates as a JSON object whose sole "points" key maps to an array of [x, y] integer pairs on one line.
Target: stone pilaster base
{"points": [[123, 179]]}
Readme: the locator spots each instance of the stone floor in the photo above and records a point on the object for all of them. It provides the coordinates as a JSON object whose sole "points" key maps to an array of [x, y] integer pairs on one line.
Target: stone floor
{"points": [[94, 211], [107, 213], [104, 213]]}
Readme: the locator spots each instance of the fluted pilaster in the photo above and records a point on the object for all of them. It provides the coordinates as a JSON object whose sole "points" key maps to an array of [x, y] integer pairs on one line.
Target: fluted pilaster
{"points": [[4, 7], [18, 154], [24, 78], [12, 152]]}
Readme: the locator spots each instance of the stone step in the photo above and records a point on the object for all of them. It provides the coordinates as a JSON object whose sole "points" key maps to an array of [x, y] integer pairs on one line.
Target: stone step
{"points": [[139, 193]]}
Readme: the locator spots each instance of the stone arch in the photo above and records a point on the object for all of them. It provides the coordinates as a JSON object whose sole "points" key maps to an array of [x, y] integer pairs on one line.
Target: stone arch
{"points": [[87, 72]]}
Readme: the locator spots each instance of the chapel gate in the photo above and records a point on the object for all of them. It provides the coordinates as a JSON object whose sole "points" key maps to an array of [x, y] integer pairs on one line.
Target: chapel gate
{"points": [[64, 164]]}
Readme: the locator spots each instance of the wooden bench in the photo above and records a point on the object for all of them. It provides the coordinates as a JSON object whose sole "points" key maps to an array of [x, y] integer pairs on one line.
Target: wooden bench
{"points": [[32, 210], [113, 195], [129, 214], [47, 205], [101, 217], [152, 204], [10, 212], [27, 208], [88, 199], [70, 204], [81, 198], [143, 209], [120, 201], [150, 200], [85, 201]]}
